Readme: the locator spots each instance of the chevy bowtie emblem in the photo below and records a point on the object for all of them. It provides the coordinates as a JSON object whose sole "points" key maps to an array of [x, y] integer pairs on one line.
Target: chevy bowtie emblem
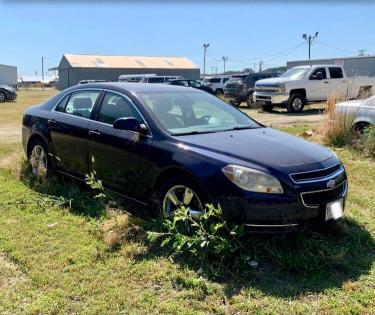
{"points": [[331, 183]]}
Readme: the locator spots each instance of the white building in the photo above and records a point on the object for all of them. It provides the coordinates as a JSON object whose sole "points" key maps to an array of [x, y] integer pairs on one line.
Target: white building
{"points": [[8, 75]]}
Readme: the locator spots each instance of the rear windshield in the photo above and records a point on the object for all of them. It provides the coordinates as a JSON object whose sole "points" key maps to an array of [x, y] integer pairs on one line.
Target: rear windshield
{"points": [[236, 79]]}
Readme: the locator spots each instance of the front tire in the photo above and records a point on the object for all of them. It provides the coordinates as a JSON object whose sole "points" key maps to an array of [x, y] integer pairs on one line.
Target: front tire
{"points": [[180, 192], [250, 101], [236, 103], [39, 159], [296, 103], [2, 97]]}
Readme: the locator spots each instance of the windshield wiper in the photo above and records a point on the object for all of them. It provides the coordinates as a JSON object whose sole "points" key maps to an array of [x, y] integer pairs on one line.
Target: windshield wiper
{"points": [[194, 133], [242, 128]]}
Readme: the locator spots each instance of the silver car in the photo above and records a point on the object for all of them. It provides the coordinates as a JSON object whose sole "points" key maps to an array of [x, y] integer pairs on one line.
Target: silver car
{"points": [[356, 114]]}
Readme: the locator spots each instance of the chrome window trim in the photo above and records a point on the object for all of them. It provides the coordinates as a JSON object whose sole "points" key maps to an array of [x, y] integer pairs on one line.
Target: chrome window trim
{"points": [[99, 122], [316, 179], [345, 182]]}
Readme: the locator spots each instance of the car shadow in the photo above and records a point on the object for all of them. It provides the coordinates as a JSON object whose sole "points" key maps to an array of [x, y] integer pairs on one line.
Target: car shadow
{"points": [[305, 112], [288, 266]]}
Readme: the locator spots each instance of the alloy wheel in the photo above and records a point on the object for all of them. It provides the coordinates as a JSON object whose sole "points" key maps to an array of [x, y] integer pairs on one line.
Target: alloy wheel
{"points": [[38, 161], [297, 104], [182, 196]]}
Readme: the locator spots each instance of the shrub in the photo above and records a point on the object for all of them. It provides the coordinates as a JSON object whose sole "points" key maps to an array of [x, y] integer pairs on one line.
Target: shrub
{"points": [[369, 141], [214, 243]]}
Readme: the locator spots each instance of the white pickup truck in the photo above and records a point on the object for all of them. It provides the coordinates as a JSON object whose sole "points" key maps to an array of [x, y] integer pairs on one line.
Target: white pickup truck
{"points": [[303, 84]]}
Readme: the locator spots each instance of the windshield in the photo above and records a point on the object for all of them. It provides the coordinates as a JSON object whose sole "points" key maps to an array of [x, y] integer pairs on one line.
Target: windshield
{"points": [[189, 113], [236, 79], [296, 73]]}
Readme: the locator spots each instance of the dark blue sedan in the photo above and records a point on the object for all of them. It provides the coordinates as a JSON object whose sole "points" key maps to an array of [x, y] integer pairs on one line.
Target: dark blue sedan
{"points": [[168, 146]]}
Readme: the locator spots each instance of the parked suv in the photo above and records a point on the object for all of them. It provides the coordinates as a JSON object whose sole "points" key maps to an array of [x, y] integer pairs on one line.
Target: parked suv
{"points": [[217, 83], [240, 88], [7, 93]]}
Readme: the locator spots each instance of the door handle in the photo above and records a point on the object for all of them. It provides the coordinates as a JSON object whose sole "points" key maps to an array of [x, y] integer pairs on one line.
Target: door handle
{"points": [[94, 133], [51, 121], [325, 82]]}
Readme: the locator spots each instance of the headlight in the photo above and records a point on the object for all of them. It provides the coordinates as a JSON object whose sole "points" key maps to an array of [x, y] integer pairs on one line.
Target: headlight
{"points": [[281, 88], [252, 180]]}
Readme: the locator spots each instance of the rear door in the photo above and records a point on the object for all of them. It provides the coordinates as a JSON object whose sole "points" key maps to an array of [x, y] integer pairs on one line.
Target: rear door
{"points": [[337, 83], [69, 131], [120, 158]]}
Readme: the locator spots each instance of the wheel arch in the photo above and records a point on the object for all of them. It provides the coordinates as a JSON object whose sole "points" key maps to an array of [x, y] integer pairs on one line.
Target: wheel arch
{"points": [[33, 137], [175, 171], [301, 92]]}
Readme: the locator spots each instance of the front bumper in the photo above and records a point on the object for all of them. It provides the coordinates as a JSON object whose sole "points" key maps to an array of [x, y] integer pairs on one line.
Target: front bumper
{"points": [[11, 96], [270, 97], [301, 206]]}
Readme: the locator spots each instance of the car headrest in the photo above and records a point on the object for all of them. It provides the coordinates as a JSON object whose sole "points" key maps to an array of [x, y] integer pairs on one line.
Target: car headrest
{"points": [[82, 103], [162, 105]]}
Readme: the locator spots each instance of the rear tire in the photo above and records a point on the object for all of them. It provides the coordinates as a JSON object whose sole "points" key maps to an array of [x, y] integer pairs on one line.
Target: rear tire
{"points": [[361, 127], [267, 108], [296, 103], [39, 159], [219, 93]]}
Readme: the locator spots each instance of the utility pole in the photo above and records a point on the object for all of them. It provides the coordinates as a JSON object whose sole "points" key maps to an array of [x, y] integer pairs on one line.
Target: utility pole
{"points": [[225, 59], [260, 66], [42, 73], [205, 46], [309, 40], [212, 70]]}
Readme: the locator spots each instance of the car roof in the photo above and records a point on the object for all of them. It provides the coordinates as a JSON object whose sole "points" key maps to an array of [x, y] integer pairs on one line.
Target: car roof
{"points": [[135, 87]]}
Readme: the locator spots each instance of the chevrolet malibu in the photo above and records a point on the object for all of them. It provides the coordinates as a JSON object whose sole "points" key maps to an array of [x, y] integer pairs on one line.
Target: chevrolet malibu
{"points": [[167, 146]]}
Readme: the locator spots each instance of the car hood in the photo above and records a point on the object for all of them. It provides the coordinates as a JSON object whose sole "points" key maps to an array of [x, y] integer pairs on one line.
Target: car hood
{"points": [[261, 146], [271, 81]]}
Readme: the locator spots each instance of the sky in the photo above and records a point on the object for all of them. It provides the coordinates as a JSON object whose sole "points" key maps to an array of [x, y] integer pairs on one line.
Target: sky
{"points": [[248, 32]]}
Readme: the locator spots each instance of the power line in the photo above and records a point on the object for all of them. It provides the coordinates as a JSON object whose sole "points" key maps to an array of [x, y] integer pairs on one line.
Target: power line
{"points": [[337, 48]]}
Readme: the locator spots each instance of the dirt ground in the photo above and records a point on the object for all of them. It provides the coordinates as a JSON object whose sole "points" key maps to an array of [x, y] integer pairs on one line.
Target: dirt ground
{"points": [[280, 118]]}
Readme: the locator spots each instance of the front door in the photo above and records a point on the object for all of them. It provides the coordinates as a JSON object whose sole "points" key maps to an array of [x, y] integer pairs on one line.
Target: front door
{"points": [[69, 131], [318, 85], [121, 159]]}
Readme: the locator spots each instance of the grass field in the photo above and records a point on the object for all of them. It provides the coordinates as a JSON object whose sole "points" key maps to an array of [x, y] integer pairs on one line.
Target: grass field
{"points": [[53, 259]]}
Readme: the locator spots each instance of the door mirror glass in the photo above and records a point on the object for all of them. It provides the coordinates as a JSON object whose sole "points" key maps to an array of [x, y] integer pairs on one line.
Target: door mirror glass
{"points": [[130, 124]]}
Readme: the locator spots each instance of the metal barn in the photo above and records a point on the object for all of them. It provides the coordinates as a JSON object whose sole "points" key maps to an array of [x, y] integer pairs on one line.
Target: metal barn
{"points": [[354, 66], [8, 75], [74, 68]]}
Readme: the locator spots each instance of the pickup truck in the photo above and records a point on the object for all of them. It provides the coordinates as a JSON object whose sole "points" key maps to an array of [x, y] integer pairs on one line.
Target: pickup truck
{"points": [[304, 84]]}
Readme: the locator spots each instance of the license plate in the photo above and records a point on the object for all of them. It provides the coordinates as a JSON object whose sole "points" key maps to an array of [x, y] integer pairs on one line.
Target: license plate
{"points": [[262, 102], [334, 210]]}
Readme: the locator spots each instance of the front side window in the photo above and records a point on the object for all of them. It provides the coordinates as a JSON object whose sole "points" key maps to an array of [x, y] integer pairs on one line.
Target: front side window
{"points": [[191, 113], [314, 75], [335, 73], [81, 103], [115, 106]]}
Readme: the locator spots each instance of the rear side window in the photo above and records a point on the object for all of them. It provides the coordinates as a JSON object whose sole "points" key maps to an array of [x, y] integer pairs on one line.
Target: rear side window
{"points": [[335, 73], [155, 80], [61, 106], [225, 80], [115, 106], [214, 80], [81, 103]]}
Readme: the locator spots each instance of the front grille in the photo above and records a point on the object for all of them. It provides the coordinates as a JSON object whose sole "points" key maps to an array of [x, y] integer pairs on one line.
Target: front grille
{"points": [[322, 197], [266, 90], [315, 175]]}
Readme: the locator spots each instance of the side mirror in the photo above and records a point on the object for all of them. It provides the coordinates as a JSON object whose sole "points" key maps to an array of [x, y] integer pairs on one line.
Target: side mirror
{"points": [[130, 124]]}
